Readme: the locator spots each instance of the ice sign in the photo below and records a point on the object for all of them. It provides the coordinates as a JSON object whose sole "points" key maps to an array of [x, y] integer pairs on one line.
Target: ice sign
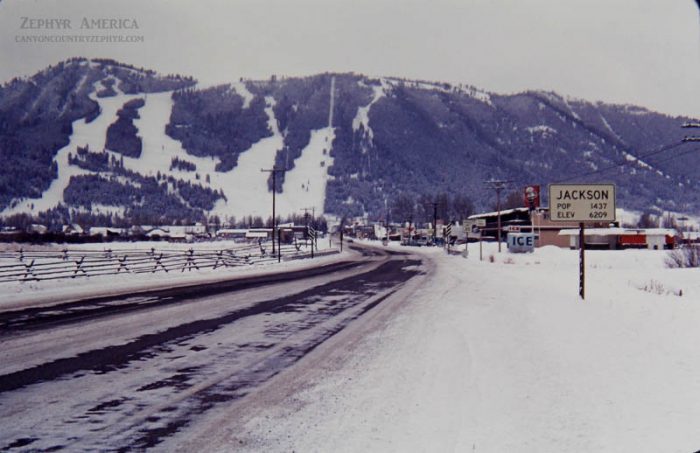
{"points": [[582, 202], [521, 242]]}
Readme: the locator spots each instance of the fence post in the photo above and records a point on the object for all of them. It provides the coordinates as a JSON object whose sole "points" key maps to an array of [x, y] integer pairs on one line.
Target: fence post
{"points": [[29, 270], [158, 262], [122, 264], [79, 267], [190, 261], [220, 259]]}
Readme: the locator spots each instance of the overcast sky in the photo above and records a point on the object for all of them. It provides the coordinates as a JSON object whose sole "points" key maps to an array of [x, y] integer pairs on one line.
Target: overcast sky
{"points": [[644, 52]]}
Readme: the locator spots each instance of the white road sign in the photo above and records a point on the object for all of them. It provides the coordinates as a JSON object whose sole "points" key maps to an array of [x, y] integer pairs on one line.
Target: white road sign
{"points": [[582, 202]]}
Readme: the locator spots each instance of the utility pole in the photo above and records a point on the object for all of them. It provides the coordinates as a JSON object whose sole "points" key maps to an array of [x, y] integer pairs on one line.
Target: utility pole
{"points": [[274, 171], [498, 185], [435, 204], [689, 138], [306, 224], [386, 221]]}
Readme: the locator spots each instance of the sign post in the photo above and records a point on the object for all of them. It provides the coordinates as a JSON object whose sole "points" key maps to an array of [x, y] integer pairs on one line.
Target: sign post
{"points": [[279, 245], [481, 223], [311, 233], [582, 203], [447, 233], [581, 263]]}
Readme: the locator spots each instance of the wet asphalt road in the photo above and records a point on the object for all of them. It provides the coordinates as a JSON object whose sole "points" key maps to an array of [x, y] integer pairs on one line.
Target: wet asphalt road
{"points": [[118, 374]]}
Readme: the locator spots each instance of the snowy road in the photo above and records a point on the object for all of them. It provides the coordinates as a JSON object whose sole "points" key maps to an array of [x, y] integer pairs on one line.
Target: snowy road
{"points": [[128, 373]]}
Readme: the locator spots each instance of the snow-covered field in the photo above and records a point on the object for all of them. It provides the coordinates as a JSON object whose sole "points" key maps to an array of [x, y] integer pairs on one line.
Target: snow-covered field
{"points": [[503, 356], [487, 356]]}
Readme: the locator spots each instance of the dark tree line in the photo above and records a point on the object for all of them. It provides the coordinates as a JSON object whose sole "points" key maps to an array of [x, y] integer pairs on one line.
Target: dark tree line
{"points": [[122, 134], [316, 222], [422, 209], [179, 164], [214, 123]]}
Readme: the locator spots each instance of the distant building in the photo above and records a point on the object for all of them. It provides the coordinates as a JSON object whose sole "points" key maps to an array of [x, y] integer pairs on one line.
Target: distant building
{"points": [[73, 230], [623, 238], [106, 231], [522, 220], [259, 233], [232, 233], [157, 233], [37, 228]]}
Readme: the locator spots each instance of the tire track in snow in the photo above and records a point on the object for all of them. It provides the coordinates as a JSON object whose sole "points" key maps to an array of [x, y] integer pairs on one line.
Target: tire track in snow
{"points": [[136, 394]]}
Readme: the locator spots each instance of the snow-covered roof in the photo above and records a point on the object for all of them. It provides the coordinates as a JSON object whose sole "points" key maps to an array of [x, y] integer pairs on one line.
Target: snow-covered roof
{"points": [[232, 231], [158, 231], [495, 213], [620, 232], [105, 230]]}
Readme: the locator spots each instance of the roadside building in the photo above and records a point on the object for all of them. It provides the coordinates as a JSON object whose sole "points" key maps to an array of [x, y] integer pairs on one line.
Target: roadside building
{"points": [[236, 234], [623, 238], [73, 230], [255, 234], [106, 232], [37, 228], [158, 233]]}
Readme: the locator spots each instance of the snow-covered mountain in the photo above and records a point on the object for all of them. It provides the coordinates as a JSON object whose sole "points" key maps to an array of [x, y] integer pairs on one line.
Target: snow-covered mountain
{"points": [[100, 137]]}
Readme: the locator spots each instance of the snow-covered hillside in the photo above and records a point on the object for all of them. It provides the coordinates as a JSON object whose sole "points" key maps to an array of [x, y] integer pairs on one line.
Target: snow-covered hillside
{"points": [[245, 186], [92, 134], [352, 145]]}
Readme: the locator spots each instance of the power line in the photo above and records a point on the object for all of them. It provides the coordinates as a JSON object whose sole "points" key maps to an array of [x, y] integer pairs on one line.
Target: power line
{"points": [[675, 156], [626, 161]]}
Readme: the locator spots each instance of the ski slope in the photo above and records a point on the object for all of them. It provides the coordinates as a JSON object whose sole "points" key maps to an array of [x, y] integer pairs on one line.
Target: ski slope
{"points": [[93, 134], [248, 192], [245, 186]]}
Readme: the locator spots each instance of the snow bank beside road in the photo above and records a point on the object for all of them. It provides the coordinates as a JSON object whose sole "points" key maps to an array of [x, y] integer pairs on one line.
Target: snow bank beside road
{"points": [[504, 356], [15, 295]]}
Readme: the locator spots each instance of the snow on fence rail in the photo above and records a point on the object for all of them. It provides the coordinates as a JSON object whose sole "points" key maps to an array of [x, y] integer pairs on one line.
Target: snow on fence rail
{"points": [[50, 265]]}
